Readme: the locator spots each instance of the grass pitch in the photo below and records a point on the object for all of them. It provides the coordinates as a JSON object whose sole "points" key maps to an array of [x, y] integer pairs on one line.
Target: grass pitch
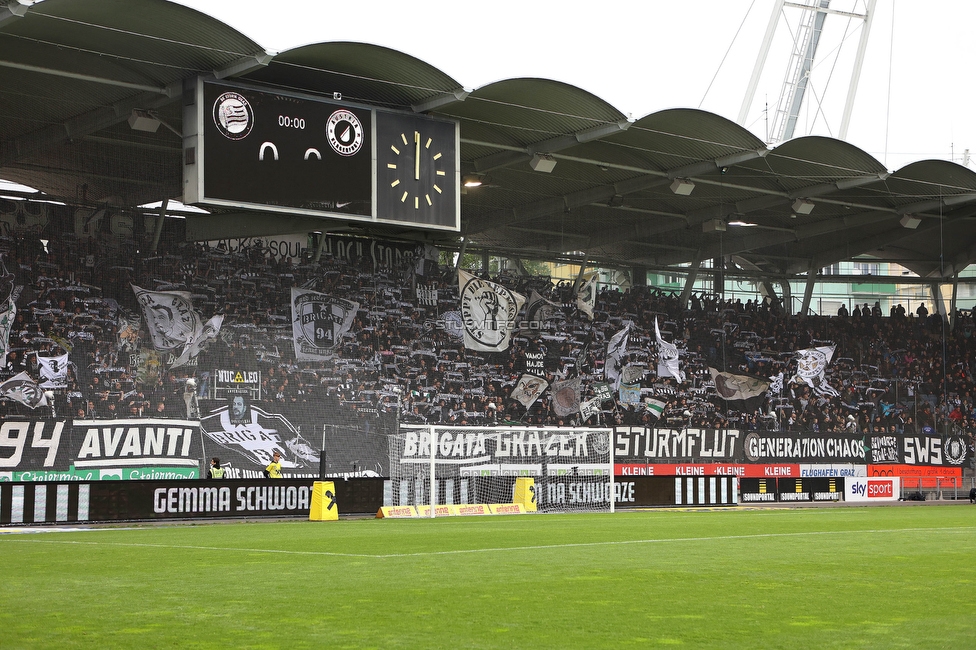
{"points": [[837, 577]]}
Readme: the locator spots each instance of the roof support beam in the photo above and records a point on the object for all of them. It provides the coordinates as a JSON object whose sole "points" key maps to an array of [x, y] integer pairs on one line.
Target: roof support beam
{"points": [[849, 249], [85, 124], [441, 100], [808, 291], [162, 90], [690, 279], [603, 193], [552, 145], [244, 65], [11, 12], [697, 217]]}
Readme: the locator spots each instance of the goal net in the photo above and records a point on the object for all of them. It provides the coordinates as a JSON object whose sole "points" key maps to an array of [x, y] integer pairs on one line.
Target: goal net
{"points": [[565, 469]]}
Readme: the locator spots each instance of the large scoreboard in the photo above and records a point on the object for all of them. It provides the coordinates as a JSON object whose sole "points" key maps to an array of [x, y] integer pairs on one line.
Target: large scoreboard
{"points": [[277, 151]]}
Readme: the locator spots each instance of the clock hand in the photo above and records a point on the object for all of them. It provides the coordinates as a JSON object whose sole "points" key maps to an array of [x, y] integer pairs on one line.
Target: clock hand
{"points": [[416, 139]]}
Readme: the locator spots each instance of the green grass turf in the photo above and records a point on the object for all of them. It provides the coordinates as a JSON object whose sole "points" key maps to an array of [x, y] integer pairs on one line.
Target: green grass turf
{"points": [[836, 577]]}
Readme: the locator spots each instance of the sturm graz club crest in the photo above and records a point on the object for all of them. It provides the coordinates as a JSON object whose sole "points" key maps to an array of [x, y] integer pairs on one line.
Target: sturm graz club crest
{"points": [[319, 321], [233, 116], [954, 450]]}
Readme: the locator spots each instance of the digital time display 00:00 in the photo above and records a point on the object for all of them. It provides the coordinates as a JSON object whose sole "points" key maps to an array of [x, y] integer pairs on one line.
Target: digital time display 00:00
{"points": [[291, 122]]}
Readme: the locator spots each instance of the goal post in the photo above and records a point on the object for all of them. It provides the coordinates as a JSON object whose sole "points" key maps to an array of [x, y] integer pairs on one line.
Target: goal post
{"points": [[561, 469]]}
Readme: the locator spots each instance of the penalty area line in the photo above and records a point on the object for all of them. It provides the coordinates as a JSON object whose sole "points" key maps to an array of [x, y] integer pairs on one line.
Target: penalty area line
{"points": [[537, 547]]}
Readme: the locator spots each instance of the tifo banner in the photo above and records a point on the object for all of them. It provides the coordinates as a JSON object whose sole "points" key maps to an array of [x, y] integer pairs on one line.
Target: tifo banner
{"points": [[737, 387], [771, 448], [516, 452], [57, 450], [586, 297], [539, 313], [643, 445], [649, 445], [245, 437]]}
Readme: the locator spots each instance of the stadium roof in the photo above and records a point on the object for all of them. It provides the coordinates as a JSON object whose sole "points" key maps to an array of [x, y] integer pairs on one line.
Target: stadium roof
{"points": [[668, 189]]}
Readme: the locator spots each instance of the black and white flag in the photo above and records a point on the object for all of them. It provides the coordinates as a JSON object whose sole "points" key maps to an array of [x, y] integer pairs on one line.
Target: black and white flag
{"points": [[586, 296], [667, 365], [53, 371], [590, 407], [173, 323], [170, 317], [318, 323], [488, 312], [207, 333], [811, 364], [538, 315], [21, 388], [566, 397], [731, 387], [616, 350], [426, 295], [528, 389], [8, 312]]}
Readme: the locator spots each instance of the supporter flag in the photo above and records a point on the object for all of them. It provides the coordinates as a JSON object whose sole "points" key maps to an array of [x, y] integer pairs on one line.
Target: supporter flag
{"points": [[427, 295], [632, 373], [8, 309], [488, 312], [602, 391], [53, 371], [776, 387], [170, 317], [318, 323], [21, 388], [586, 296], [629, 393], [128, 330], [655, 406], [667, 365], [208, 333], [811, 365], [173, 322], [528, 389], [538, 313], [732, 387], [616, 349], [7, 315], [590, 407], [566, 397]]}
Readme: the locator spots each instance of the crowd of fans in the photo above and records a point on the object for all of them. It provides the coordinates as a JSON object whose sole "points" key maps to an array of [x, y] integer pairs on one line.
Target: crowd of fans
{"points": [[404, 358]]}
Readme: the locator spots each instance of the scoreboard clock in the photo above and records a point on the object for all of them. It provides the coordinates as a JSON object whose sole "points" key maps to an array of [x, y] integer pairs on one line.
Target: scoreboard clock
{"points": [[274, 151], [417, 169]]}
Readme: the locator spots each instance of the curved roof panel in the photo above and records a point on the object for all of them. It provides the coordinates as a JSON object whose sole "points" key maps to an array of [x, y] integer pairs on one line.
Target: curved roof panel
{"points": [[667, 189], [359, 72]]}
